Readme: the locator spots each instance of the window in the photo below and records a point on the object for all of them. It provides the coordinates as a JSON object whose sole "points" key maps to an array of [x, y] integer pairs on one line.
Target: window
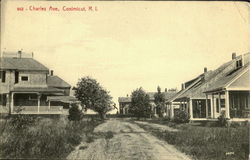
{"points": [[222, 103], [24, 78], [3, 99], [239, 63], [2, 76], [16, 76]]}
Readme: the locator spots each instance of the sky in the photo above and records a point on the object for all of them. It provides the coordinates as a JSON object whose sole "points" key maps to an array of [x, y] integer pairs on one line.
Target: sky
{"points": [[127, 45]]}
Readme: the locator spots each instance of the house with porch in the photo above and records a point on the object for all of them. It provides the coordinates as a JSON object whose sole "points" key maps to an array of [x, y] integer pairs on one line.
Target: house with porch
{"points": [[206, 97], [27, 87], [124, 102], [230, 92]]}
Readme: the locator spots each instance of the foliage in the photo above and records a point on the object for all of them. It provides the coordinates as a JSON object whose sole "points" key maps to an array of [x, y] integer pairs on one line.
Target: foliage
{"points": [[181, 117], [20, 121], [140, 106], [44, 138], [93, 96], [74, 113], [159, 99], [208, 143], [222, 120]]}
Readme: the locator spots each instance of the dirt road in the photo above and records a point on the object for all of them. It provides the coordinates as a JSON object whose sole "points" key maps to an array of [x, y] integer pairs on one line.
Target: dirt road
{"points": [[125, 141]]}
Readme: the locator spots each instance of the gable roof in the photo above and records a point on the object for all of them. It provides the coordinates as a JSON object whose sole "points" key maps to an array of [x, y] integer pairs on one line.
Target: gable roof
{"points": [[196, 91], [28, 64], [223, 81], [167, 95], [215, 80], [181, 92], [151, 96], [124, 99], [55, 81]]}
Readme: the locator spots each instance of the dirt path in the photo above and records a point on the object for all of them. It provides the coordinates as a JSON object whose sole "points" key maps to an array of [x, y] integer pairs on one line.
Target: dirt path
{"points": [[129, 141], [157, 126]]}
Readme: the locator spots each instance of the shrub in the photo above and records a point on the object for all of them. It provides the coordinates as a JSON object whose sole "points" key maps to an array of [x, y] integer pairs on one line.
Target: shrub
{"points": [[222, 120], [74, 113], [109, 135], [181, 117], [22, 121]]}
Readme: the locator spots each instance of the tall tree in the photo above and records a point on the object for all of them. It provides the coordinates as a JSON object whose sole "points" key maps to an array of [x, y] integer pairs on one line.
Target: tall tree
{"points": [[140, 105], [93, 96], [159, 99]]}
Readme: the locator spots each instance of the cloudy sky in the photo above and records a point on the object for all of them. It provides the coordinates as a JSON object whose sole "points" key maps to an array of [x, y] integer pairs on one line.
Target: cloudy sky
{"points": [[125, 45]]}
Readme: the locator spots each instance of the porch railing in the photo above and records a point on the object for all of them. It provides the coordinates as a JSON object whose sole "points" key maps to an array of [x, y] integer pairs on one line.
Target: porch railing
{"points": [[41, 110]]}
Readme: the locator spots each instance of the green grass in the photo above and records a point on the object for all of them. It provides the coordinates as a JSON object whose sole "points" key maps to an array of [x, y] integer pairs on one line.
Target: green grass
{"points": [[207, 143], [30, 137]]}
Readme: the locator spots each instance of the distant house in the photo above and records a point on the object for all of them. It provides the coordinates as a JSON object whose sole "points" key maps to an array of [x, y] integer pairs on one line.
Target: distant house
{"points": [[225, 89], [27, 87], [124, 102]]}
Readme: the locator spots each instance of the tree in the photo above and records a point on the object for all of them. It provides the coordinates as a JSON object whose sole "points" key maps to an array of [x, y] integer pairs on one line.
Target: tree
{"points": [[93, 96], [159, 99], [140, 106]]}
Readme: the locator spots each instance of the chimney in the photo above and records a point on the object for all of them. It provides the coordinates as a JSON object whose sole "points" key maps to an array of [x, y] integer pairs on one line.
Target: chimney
{"points": [[233, 55], [166, 90], [19, 54], [32, 54], [205, 69], [51, 72]]}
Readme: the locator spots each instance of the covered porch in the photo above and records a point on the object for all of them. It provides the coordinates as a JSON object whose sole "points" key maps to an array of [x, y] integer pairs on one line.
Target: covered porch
{"points": [[197, 108], [33, 101], [234, 104]]}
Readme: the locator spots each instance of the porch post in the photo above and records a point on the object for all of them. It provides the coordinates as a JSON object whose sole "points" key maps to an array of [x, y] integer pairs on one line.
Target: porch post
{"points": [[227, 104], [186, 103], [167, 110], [171, 110], [155, 109], [49, 105], [123, 109], [206, 106], [219, 102], [11, 102], [191, 108], [38, 103], [212, 107]]}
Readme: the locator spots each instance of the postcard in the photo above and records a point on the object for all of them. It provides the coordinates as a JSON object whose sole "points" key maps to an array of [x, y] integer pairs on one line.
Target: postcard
{"points": [[108, 80]]}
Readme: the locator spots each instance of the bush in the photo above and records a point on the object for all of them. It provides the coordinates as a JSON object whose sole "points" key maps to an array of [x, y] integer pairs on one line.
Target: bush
{"points": [[22, 121], [222, 120], [109, 135], [181, 117], [74, 113], [166, 118]]}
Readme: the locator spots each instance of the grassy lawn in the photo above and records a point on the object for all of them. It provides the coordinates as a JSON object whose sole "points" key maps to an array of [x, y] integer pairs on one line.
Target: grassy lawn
{"points": [[42, 138], [206, 143]]}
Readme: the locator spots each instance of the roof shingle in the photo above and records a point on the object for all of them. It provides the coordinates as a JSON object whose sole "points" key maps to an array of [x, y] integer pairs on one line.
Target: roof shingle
{"points": [[55, 81], [21, 64]]}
